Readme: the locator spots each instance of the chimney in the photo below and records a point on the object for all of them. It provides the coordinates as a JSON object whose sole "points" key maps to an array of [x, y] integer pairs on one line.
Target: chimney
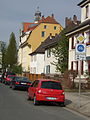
{"points": [[75, 18], [66, 21], [53, 16], [50, 36], [42, 16]]}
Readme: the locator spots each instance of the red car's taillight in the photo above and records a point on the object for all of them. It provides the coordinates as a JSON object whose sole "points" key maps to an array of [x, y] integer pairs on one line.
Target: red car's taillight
{"points": [[17, 83], [7, 79], [28, 83], [62, 93], [39, 91]]}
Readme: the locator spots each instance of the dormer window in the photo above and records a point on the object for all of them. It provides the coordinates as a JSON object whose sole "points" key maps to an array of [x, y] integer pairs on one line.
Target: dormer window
{"points": [[87, 11]]}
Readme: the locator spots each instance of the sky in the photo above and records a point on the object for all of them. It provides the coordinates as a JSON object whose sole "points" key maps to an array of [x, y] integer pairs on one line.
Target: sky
{"points": [[14, 12]]}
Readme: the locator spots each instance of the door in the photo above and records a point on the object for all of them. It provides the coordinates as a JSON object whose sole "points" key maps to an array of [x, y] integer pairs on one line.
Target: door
{"points": [[32, 89]]}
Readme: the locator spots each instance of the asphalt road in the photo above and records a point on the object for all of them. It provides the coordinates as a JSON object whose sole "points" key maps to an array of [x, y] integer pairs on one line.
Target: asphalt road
{"points": [[14, 106]]}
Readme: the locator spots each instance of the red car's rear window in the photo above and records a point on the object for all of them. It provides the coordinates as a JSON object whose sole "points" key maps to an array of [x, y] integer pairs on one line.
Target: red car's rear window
{"points": [[51, 85]]}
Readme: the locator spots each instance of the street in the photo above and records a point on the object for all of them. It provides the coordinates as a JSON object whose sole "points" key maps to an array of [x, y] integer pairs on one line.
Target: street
{"points": [[14, 106]]}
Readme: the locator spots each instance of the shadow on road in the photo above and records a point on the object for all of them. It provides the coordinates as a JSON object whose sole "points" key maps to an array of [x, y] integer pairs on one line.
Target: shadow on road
{"points": [[67, 102]]}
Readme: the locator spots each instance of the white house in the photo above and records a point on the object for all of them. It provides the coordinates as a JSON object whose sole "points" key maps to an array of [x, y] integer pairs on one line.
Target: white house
{"points": [[42, 58], [50, 43], [82, 29], [37, 60]]}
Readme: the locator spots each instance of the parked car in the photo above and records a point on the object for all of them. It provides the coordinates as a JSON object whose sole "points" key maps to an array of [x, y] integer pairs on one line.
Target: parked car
{"points": [[46, 90], [0, 77], [8, 79], [5, 75], [19, 82]]}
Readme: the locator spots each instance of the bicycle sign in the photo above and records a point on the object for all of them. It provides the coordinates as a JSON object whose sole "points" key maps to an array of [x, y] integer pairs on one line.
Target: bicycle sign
{"points": [[80, 48], [80, 52]]}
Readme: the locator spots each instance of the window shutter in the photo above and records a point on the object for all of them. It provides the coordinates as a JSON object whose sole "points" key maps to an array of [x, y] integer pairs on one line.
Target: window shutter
{"points": [[77, 67], [81, 67], [72, 42], [71, 65], [89, 66]]}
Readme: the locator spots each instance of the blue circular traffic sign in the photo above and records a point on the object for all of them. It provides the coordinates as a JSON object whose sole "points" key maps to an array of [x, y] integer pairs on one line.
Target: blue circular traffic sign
{"points": [[80, 48]]}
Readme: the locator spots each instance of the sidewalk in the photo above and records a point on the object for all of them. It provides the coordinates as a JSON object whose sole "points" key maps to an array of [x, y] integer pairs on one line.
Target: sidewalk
{"points": [[72, 102]]}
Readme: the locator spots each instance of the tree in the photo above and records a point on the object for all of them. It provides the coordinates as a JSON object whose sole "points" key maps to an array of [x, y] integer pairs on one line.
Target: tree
{"points": [[11, 52], [61, 52], [4, 65], [17, 69]]}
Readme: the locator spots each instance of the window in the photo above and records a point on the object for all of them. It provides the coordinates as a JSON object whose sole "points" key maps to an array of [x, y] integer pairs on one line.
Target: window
{"points": [[34, 70], [31, 70], [45, 26], [87, 11], [48, 53], [81, 67], [43, 33], [88, 37], [47, 69], [35, 58], [72, 45], [35, 83], [88, 66], [31, 58], [72, 65], [77, 67], [55, 27], [51, 85]]}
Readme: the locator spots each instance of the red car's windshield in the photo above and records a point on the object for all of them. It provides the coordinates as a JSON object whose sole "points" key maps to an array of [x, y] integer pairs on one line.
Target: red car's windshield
{"points": [[51, 85]]}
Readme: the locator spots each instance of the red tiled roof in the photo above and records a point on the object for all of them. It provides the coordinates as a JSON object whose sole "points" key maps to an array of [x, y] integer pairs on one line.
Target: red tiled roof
{"points": [[48, 19], [32, 26], [26, 26]]}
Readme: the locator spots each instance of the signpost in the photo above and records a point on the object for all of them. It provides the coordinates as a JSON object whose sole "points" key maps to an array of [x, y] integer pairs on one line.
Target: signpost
{"points": [[80, 52], [80, 55]]}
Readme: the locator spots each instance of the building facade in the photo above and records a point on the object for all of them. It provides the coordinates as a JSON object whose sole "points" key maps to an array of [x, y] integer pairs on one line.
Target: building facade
{"points": [[33, 34], [42, 58], [83, 29], [37, 60]]}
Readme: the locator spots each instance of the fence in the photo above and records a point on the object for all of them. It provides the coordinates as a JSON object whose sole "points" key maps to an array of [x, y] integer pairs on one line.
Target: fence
{"points": [[33, 77]]}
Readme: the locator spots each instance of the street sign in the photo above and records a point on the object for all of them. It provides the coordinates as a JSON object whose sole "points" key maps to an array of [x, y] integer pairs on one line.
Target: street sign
{"points": [[80, 52], [80, 57], [80, 38]]}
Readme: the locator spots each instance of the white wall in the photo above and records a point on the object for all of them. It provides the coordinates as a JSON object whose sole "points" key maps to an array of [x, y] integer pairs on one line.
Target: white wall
{"points": [[25, 58], [72, 52], [48, 61], [83, 13], [37, 63]]}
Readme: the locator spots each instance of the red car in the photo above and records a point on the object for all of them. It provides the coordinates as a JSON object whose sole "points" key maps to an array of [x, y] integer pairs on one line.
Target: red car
{"points": [[8, 79], [46, 90]]}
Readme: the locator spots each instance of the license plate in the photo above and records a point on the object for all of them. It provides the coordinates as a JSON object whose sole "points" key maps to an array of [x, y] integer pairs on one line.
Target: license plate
{"points": [[51, 98], [23, 83]]}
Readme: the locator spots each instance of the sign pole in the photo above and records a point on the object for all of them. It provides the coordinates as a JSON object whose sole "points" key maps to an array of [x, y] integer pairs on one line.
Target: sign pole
{"points": [[79, 83], [80, 56]]}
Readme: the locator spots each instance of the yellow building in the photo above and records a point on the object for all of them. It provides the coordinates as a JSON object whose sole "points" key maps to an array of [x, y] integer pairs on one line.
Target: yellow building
{"points": [[45, 27], [33, 34]]}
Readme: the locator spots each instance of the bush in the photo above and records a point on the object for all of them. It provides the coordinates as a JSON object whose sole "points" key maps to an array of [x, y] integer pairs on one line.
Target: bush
{"points": [[17, 69], [68, 78]]}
